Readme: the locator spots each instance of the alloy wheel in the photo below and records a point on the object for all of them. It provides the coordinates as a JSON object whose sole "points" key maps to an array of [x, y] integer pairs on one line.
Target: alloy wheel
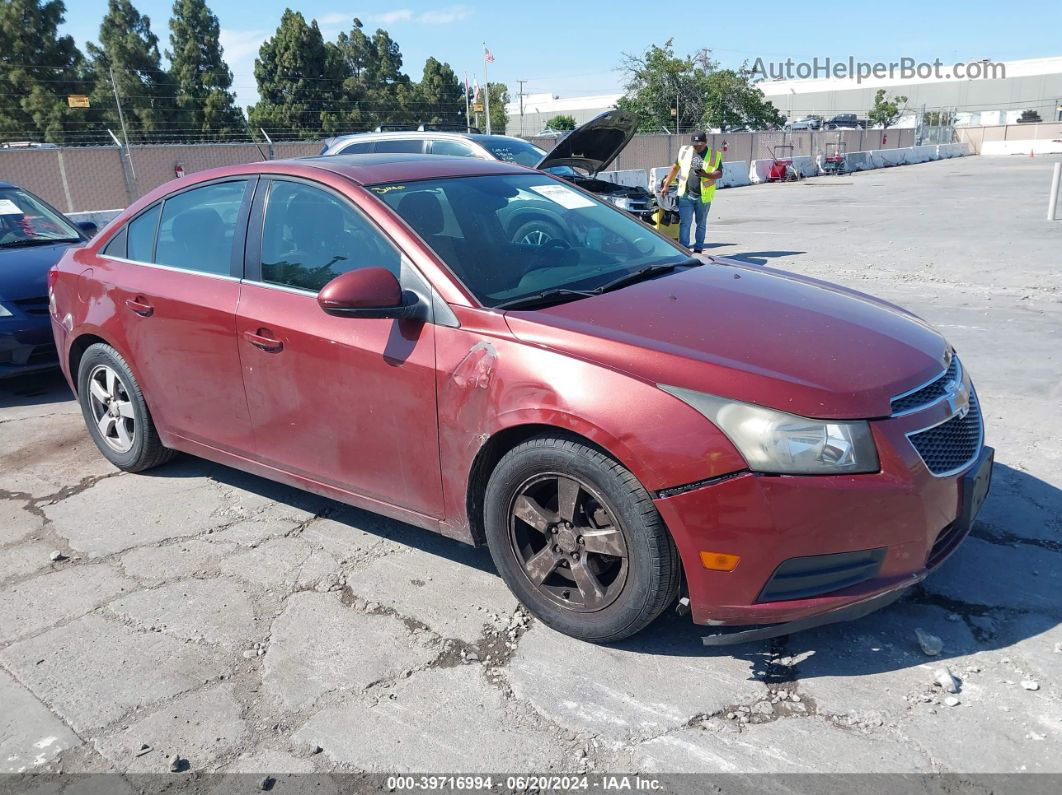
{"points": [[569, 545], [112, 408]]}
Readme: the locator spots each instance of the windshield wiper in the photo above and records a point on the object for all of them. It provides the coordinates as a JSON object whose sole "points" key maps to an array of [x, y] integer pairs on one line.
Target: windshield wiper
{"points": [[37, 241], [544, 298], [645, 273]]}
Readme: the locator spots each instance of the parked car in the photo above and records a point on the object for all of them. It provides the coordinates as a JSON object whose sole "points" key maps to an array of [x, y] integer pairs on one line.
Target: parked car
{"points": [[578, 157], [33, 235], [618, 422], [808, 123], [843, 121]]}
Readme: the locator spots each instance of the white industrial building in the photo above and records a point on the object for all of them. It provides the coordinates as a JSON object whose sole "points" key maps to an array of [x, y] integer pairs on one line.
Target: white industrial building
{"points": [[538, 109]]}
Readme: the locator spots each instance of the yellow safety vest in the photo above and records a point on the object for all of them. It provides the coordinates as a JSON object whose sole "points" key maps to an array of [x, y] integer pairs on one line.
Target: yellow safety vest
{"points": [[712, 162]]}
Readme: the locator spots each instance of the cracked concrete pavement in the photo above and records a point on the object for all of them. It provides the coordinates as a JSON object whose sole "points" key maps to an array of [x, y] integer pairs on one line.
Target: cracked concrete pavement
{"points": [[247, 626]]}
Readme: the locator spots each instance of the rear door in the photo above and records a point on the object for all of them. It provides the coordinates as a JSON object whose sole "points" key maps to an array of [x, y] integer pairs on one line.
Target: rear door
{"points": [[348, 402], [177, 294]]}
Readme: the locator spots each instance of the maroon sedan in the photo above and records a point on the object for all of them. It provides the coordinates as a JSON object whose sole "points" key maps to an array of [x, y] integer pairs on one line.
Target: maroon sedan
{"points": [[619, 423]]}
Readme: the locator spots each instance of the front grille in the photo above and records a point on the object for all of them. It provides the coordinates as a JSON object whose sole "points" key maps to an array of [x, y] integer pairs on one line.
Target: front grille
{"points": [[33, 306], [952, 445], [814, 575], [931, 392], [950, 537]]}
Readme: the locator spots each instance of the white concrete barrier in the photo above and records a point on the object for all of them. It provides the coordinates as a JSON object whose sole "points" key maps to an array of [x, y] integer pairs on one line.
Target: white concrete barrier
{"points": [[99, 217], [883, 158], [806, 166], [759, 169], [1037, 147], [735, 174], [857, 161], [632, 178]]}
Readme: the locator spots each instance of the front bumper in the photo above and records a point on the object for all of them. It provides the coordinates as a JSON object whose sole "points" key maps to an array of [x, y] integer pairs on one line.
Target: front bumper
{"points": [[26, 346], [917, 518]]}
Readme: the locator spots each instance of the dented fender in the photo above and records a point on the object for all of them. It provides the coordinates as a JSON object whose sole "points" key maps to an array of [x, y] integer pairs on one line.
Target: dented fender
{"points": [[489, 382]]}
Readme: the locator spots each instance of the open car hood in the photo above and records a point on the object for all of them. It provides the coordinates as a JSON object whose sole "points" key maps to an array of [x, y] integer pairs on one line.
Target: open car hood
{"points": [[595, 144]]}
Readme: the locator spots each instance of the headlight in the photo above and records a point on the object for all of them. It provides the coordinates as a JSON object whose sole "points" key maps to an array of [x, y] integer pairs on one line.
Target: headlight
{"points": [[620, 201], [4, 311], [781, 443]]}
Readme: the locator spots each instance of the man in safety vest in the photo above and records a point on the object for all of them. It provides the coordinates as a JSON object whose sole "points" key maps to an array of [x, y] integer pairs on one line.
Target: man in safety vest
{"points": [[698, 168]]}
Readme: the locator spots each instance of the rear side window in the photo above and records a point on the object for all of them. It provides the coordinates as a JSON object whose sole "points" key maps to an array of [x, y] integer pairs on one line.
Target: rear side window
{"points": [[310, 236], [142, 235], [452, 148], [360, 148], [414, 145], [198, 226]]}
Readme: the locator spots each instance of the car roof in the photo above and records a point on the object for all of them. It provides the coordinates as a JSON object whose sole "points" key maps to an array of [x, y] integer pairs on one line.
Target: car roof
{"points": [[383, 135], [7, 184], [372, 169]]}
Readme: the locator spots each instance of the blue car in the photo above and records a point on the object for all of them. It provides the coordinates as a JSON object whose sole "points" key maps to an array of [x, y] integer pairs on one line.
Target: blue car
{"points": [[33, 236]]}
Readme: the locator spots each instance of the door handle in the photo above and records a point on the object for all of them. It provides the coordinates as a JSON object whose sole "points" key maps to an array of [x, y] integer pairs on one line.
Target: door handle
{"points": [[264, 342], [137, 305]]}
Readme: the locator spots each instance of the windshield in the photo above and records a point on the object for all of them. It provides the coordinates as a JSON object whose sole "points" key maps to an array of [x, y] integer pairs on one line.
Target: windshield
{"points": [[513, 150], [24, 218], [510, 236]]}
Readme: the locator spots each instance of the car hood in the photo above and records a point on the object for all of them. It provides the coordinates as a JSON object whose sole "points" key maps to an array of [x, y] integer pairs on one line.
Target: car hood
{"points": [[595, 144], [752, 334], [24, 271]]}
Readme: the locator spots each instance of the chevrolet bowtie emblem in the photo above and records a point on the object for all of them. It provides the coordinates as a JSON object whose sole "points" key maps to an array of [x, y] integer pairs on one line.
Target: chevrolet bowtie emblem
{"points": [[958, 397]]}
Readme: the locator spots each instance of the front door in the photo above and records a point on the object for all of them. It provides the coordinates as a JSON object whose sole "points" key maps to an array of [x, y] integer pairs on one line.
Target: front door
{"points": [[348, 402], [177, 294]]}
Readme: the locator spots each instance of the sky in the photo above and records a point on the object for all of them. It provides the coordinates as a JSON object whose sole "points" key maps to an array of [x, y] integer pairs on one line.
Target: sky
{"points": [[574, 48]]}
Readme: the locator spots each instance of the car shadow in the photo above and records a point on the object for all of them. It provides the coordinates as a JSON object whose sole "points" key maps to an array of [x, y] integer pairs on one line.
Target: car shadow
{"points": [[952, 603], [761, 257], [34, 389], [186, 466]]}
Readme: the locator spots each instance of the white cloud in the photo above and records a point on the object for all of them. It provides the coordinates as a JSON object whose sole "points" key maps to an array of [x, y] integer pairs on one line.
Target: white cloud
{"points": [[239, 45], [391, 17], [445, 16]]}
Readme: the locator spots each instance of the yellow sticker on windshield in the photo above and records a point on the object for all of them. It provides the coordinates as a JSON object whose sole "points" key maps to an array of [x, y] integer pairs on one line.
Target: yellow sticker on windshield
{"points": [[386, 188], [564, 196]]}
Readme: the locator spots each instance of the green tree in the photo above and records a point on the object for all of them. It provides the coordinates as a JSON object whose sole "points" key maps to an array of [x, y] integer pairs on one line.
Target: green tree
{"points": [[499, 98], [299, 80], [561, 123], [440, 96], [129, 50], [205, 103], [374, 90], [886, 111], [669, 92], [38, 70]]}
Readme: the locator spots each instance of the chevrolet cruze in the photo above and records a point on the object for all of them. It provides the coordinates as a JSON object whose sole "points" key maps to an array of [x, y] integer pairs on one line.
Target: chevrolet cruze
{"points": [[624, 426]]}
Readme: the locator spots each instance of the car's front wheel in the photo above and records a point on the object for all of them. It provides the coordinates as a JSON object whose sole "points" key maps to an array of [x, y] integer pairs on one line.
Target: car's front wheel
{"points": [[578, 540], [115, 411]]}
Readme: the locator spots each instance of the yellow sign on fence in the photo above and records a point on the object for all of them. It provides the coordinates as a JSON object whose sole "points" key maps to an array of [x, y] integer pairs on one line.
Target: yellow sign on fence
{"points": [[77, 101], [477, 107]]}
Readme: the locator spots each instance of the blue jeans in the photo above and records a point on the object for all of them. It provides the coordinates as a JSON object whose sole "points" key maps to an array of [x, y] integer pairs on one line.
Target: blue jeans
{"points": [[689, 209]]}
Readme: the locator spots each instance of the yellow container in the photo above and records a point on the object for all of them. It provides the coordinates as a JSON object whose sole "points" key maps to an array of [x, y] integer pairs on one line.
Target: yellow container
{"points": [[666, 223]]}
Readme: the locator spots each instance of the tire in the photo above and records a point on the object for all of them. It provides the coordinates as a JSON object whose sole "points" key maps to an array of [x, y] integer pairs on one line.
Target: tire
{"points": [[539, 230], [530, 530], [116, 413]]}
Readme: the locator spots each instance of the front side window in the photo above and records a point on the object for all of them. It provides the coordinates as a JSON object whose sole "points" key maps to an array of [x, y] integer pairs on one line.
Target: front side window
{"points": [[198, 227], [412, 145], [27, 221], [142, 234], [508, 237], [310, 236]]}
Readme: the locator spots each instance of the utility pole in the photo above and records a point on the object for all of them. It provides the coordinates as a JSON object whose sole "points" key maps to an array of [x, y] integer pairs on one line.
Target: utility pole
{"points": [[521, 93], [121, 118]]}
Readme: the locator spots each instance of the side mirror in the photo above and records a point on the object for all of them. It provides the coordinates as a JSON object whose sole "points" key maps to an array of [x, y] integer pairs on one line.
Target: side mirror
{"points": [[88, 227], [369, 293]]}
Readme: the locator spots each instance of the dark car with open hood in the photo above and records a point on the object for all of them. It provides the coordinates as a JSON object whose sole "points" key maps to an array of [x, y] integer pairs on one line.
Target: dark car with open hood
{"points": [[33, 236]]}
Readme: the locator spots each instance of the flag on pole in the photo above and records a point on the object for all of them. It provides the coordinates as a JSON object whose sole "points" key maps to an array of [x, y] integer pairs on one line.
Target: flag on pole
{"points": [[475, 90], [488, 57]]}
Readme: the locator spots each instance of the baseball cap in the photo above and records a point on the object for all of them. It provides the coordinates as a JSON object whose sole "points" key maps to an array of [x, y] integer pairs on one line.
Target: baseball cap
{"points": [[699, 138]]}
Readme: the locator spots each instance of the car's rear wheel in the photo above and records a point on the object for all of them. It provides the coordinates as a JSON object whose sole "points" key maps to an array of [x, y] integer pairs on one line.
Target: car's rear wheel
{"points": [[537, 232], [578, 540], [115, 411]]}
